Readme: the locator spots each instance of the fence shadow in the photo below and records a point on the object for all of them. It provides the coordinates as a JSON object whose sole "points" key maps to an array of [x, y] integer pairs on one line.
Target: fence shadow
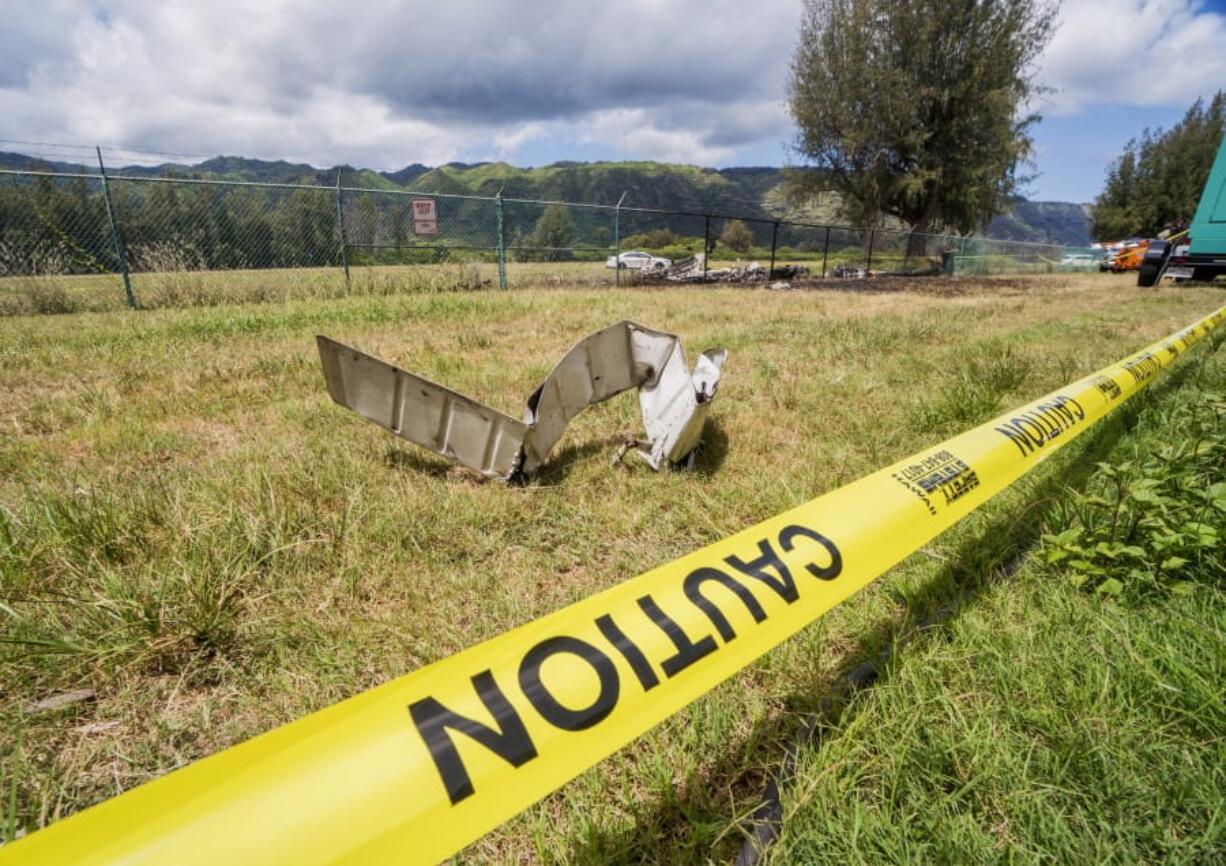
{"points": [[677, 828]]}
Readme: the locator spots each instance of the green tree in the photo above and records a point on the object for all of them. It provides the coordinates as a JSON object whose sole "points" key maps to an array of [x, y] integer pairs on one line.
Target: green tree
{"points": [[915, 108], [519, 245], [1112, 216], [737, 236], [362, 220], [400, 217], [306, 229], [553, 233], [1156, 183], [652, 239]]}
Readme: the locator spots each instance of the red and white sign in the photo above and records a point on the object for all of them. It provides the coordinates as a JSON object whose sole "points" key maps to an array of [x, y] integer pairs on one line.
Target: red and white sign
{"points": [[425, 217]]}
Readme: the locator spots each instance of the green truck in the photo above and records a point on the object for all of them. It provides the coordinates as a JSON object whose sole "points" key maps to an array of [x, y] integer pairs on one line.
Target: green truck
{"points": [[1202, 255]]}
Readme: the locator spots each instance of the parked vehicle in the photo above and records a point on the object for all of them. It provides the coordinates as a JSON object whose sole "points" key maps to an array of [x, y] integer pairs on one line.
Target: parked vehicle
{"points": [[1201, 255], [637, 260]]}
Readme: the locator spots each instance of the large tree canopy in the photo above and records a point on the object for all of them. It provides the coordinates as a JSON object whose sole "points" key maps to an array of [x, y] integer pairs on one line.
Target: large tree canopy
{"points": [[916, 108], [1156, 182]]}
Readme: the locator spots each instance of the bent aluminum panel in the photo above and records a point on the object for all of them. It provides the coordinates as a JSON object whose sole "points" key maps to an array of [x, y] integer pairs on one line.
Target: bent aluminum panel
{"points": [[603, 364], [675, 407], [423, 412]]}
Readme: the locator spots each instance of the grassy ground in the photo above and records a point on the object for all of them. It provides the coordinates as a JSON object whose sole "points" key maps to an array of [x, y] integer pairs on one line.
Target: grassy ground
{"points": [[189, 528], [105, 292], [1034, 720], [60, 294]]}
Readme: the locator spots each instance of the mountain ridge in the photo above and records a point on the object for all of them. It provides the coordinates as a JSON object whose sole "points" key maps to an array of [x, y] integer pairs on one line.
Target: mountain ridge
{"points": [[748, 191]]}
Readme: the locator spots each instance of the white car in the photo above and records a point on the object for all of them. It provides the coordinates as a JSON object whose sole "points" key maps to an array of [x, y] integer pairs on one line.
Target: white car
{"points": [[639, 261]]}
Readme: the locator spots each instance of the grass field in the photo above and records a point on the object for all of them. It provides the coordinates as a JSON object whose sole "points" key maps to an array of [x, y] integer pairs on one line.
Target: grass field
{"points": [[190, 529], [190, 288], [60, 294], [1025, 718]]}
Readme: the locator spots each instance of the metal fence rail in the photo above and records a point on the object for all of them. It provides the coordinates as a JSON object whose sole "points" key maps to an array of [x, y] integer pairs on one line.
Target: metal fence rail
{"points": [[88, 240]]}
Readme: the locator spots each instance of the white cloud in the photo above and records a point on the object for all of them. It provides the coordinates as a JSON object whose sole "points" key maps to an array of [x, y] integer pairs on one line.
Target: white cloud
{"points": [[386, 83], [698, 133], [1134, 52]]}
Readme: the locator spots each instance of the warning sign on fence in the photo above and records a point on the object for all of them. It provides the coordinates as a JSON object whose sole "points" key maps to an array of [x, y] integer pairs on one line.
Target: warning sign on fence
{"points": [[425, 217]]}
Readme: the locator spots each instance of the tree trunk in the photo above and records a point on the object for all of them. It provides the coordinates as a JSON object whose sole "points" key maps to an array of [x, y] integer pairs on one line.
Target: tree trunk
{"points": [[917, 241]]}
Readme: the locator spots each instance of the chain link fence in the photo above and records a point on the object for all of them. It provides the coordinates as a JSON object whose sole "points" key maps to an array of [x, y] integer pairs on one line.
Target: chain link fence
{"points": [[89, 241]]}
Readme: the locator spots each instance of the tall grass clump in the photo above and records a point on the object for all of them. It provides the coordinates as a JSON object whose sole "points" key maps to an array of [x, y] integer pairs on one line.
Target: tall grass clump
{"points": [[975, 390]]}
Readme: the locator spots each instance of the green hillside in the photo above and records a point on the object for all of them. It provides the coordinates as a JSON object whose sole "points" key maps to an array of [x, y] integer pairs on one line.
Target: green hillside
{"points": [[749, 192], [1044, 222], [754, 192]]}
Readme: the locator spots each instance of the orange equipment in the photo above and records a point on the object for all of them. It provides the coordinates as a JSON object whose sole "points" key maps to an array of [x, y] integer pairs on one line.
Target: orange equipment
{"points": [[1129, 257]]}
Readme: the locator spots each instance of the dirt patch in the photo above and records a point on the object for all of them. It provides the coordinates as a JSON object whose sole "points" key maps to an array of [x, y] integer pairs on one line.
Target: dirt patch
{"points": [[940, 286], [937, 285]]}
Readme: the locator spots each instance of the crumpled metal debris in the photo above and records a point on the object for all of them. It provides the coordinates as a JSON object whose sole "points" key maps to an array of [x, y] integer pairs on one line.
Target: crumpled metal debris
{"points": [[690, 270], [674, 401], [850, 272]]}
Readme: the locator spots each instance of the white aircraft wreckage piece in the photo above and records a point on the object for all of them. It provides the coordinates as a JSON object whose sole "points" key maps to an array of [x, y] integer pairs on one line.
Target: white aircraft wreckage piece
{"points": [[674, 401]]}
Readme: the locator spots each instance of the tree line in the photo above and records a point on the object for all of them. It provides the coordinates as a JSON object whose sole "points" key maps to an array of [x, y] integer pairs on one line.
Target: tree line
{"points": [[1156, 183], [60, 226]]}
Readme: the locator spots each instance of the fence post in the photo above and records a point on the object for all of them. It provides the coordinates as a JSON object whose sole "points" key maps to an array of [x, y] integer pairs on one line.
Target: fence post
{"points": [[706, 244], [825, 252], [872, 235], [770, 275], [340, 228], [113, 218], [502, 244], [617, 242]]}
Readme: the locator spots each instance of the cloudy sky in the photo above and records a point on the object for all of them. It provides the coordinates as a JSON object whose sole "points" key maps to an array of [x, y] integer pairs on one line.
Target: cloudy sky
{"points": [[383, 84]]}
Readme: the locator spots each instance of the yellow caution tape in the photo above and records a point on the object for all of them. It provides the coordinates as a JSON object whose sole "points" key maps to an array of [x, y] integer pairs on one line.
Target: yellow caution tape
{"points": [[412, 771]]}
